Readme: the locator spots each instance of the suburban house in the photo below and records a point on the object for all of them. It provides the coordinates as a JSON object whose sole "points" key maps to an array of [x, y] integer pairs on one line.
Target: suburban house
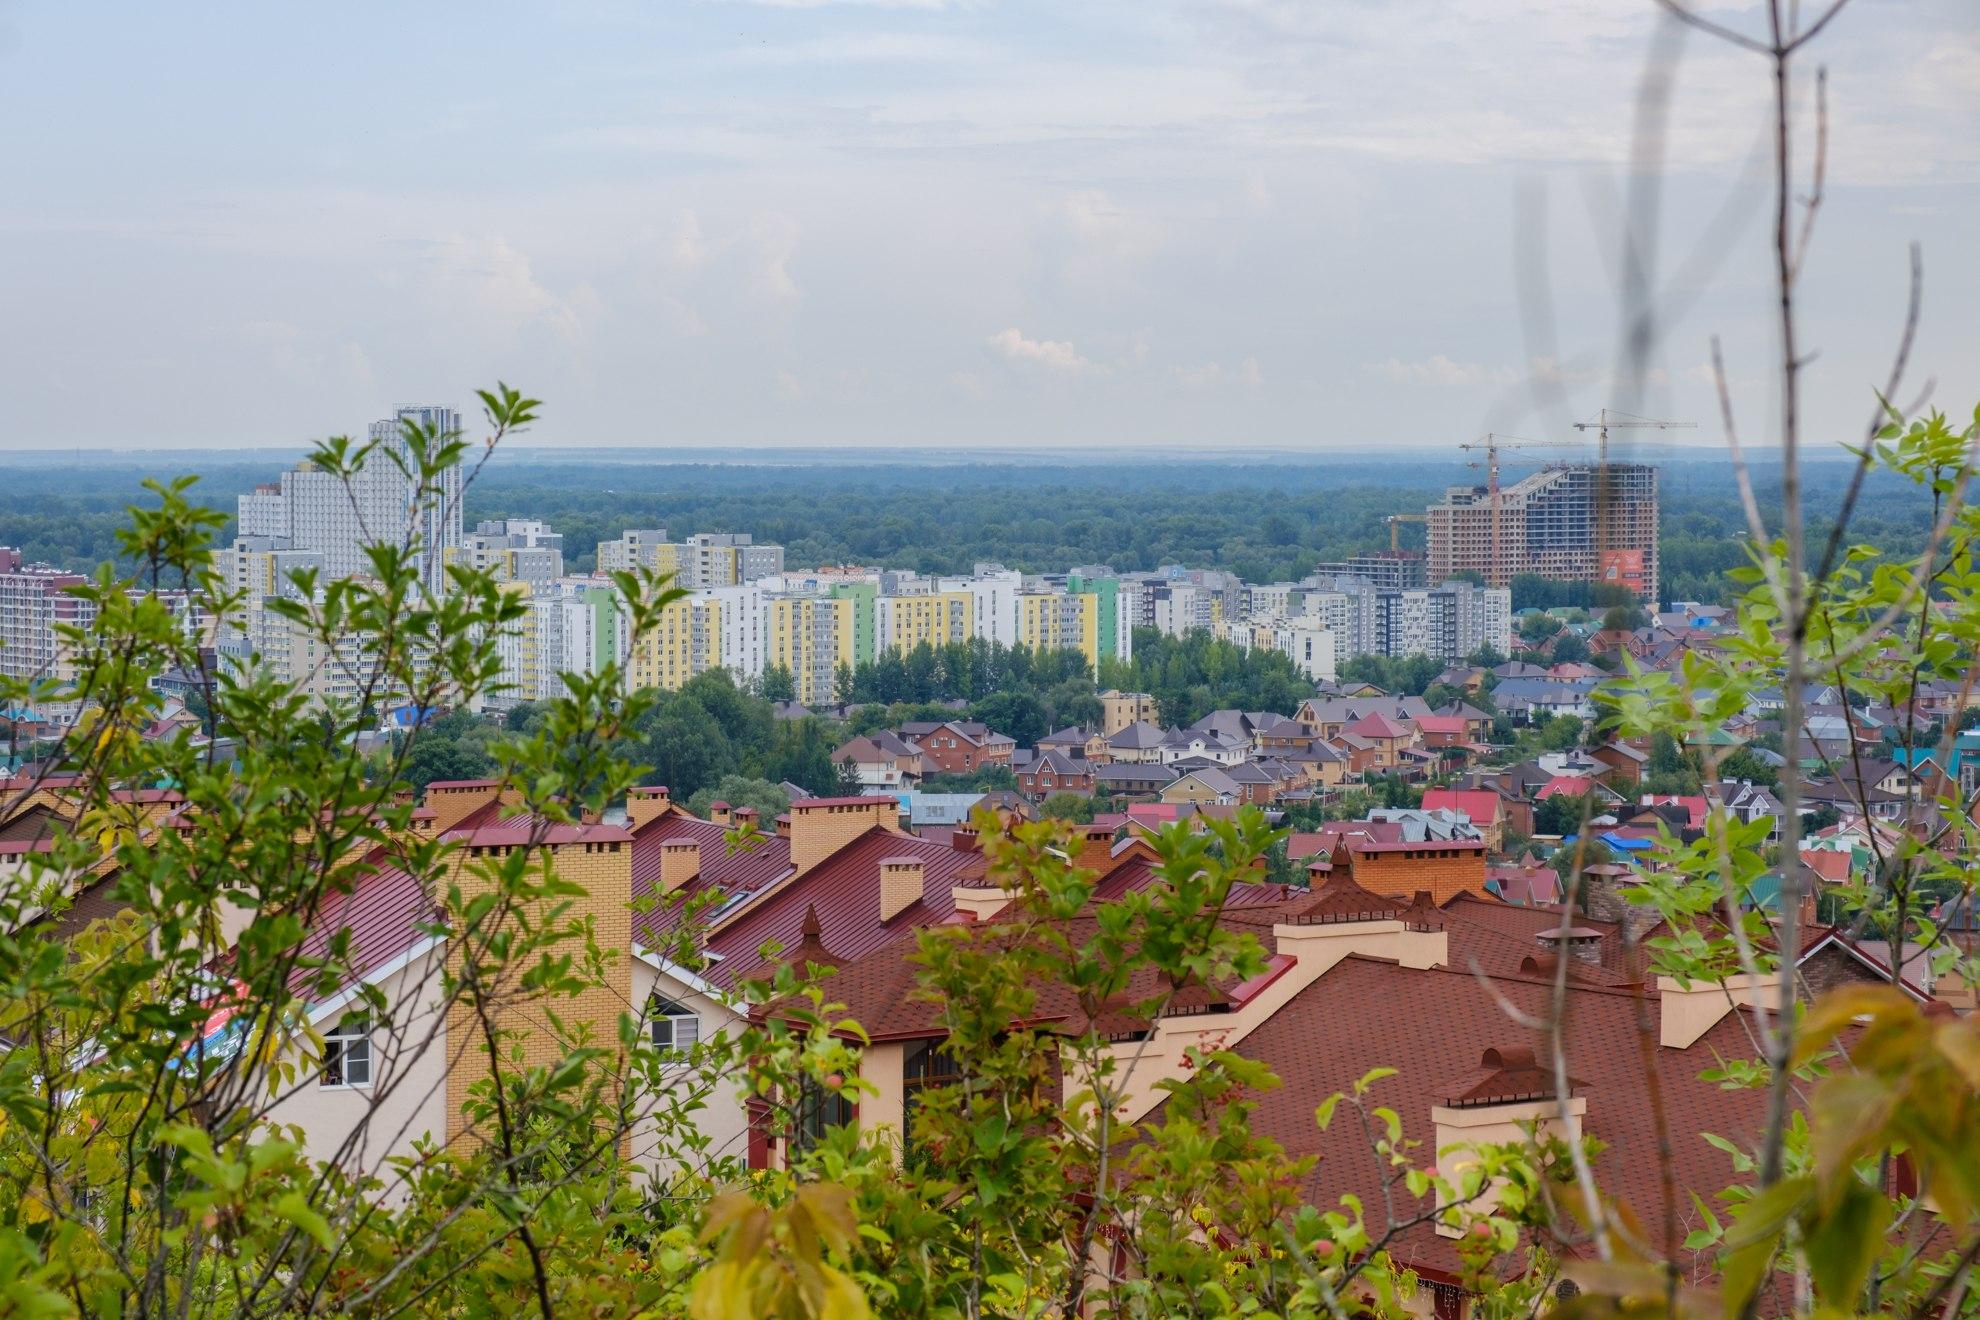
{"points": [[958, 747], [883, 760]]}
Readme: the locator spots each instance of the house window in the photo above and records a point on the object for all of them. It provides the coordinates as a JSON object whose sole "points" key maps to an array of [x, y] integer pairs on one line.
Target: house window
{"points": [[928, 1065], [819, 1111], [673, 1026], [347, 1052]]}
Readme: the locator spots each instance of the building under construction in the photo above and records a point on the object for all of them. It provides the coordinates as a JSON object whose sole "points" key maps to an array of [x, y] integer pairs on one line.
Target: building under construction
{"points": [[1569, 522]]}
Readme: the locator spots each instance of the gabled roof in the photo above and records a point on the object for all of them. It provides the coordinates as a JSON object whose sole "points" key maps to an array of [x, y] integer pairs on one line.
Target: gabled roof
{"points": [[1138, 735], [1442, 724], [1480, 805], [1376, 725], [1057, 763], [735, 875], [1213, 778], [844, 889]]}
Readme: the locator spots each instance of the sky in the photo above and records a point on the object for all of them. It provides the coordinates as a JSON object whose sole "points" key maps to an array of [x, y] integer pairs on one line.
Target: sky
{"points": [[1305, 224]]}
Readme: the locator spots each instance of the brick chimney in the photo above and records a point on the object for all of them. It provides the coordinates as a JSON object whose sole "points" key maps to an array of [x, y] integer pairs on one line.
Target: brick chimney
{"points": [[1096, 847], [746, 818], [822, 826], [719, 813], [597, 861], [900, 885], [1510, 1099], [454, 800], [680, 862], [646, 805]]}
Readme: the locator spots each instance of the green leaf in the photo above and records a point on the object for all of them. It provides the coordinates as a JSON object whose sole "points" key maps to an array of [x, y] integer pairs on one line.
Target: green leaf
{"points": [[292, 1207], [1844, 1244]]}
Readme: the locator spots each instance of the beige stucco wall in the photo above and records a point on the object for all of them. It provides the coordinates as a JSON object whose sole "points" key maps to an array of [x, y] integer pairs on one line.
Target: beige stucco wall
{"points": [[722, 1120], [1686, 1012], [883, 1112], [364, 1126]]}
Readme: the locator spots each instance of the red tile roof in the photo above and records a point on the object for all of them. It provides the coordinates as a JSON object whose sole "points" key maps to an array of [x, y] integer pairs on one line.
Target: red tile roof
{"points": [[1442, 724], [845, 891], [1432, 1026], [1572, 785], [1482, 806], [744, 871], [384, 912], [1376, 725]]}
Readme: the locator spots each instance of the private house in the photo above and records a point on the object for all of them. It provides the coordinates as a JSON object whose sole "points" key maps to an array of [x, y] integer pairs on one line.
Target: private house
{"points": [[884, 761], [1054, 772], [958, 747]]}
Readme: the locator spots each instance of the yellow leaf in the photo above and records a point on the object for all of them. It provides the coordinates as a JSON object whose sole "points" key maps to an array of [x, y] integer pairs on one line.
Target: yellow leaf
{"points": [[1959, 1042]]}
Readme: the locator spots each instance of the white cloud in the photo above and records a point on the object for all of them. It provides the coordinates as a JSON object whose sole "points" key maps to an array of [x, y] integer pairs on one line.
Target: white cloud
{"points": [[1052, 354], [1209, 375], [1443, 371]]}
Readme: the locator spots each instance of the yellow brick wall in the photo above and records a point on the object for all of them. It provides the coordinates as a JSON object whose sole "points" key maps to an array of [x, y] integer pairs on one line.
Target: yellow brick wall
{"points": [[605, 871], [819, 831]]}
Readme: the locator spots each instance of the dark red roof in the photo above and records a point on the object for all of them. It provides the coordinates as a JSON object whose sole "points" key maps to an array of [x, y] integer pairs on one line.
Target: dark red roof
{"points": [[845, 890], [1431, 1026], [384, 912], [741, 872]]}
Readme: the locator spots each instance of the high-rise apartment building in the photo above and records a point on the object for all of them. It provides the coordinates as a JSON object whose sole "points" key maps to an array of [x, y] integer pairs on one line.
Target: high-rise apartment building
{"points": [[706, 559], [1448, 622], [634, 550], [1402, 569], [34, 603], [343, 668], [935, 619], [514, 549], [309, 509], [811, 636], [1060, 621], [684, 641], [1575, 523]]}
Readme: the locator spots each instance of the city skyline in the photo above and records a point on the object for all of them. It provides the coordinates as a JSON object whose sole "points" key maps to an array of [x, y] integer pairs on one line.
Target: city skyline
{"points": [[938, 223]]}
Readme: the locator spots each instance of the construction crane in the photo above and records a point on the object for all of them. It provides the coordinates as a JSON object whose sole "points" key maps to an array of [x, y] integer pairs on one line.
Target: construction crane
{"points": [[1395, 521], [1606, 419], [1492, 444]]}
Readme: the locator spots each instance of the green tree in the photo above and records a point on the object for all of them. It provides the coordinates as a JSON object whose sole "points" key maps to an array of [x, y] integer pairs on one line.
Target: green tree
{"points": [[767, 798], [777, 684], [1075, 807]]}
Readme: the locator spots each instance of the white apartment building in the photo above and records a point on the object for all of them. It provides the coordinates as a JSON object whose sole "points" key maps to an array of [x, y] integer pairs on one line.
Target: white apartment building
{"points": [[308, 509], [994, 606], [34, 602]]}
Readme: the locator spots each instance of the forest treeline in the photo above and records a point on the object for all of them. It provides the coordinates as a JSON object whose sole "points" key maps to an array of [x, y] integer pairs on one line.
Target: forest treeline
{"points": [[1264, 521]]}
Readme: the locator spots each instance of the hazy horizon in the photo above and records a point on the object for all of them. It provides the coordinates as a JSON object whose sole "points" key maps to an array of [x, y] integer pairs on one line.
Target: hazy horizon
{"points": [[899, 222]]}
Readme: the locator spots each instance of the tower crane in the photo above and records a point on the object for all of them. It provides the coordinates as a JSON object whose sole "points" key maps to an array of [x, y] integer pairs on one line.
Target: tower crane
{"points": [[1492, 444], [1606, 419], [1396, 520]]}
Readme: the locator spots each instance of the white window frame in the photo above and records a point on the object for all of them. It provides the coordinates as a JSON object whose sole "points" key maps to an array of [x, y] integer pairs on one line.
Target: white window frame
{"points": [[353, 1029], [664, 1012]]}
